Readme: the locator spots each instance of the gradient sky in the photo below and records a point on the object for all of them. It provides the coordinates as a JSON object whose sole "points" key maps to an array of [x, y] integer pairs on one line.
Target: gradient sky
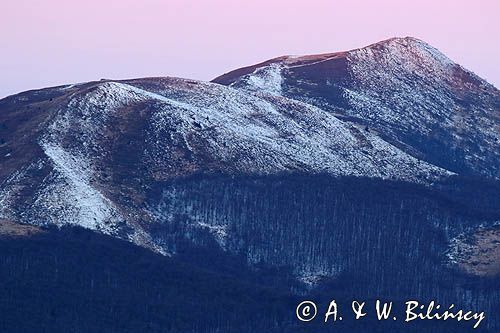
{"points": [[52, 42]]}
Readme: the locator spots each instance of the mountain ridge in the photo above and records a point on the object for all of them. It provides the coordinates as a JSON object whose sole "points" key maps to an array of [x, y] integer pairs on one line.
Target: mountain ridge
{"points": [[408, 91], [227, 77], [101, 154]]}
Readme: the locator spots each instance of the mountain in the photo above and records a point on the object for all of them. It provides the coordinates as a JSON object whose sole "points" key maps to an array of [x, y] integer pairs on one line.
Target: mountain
{"points": [[367, 173], [404, 89], [90, 154]]}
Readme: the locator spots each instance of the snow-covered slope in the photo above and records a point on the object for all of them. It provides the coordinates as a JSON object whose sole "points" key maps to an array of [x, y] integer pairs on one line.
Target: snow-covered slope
{"points": [[405, 89], [186, 128]]}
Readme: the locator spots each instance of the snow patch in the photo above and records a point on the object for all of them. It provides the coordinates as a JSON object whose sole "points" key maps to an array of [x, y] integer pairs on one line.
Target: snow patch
{"points": [[264, 79], [72, 199]]}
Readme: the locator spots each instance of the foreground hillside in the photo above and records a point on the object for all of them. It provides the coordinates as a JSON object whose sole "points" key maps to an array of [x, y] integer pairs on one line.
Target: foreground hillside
{"points": [[80, 281]]}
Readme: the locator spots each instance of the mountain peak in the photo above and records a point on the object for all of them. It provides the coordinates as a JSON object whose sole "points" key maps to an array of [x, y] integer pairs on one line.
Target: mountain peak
{"points": [[402, 86], [399, 50], [411, 48], [406, 39]]}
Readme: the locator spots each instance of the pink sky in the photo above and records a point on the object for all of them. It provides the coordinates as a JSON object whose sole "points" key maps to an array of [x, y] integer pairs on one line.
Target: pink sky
{"points": [[52, 42]]}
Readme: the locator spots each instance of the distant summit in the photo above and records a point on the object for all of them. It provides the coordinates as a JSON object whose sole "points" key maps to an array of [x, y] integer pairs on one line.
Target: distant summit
{"points": [[408, 91], [397, 44]]}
